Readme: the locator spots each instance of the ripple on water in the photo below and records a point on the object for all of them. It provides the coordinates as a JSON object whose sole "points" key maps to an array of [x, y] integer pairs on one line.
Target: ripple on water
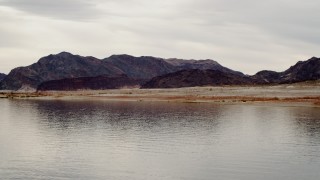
{"points": [[80, 139]]}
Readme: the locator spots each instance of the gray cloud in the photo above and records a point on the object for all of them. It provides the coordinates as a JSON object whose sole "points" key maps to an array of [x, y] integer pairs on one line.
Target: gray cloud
{"points": [[59, 9], [292, 19], [246, 35]]}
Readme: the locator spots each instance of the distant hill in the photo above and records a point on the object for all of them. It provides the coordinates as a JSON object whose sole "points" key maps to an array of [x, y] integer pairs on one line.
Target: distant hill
{"points": [[68, 66], [301, 71], [93, 83], [196, 77], [2, 76]]}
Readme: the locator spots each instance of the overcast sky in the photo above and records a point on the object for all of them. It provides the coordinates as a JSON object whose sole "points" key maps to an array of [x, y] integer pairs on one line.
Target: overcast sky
{"points": [[246, 35]]}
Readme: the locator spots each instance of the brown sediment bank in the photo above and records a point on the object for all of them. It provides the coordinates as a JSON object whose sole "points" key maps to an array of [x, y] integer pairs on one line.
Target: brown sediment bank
{"points": [[293, 94]]}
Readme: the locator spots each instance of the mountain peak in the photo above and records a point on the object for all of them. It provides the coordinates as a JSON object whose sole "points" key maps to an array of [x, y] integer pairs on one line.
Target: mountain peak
{"points": [[121, 56], [64, 53], [61, 55], [314, 58], [130, 57]]}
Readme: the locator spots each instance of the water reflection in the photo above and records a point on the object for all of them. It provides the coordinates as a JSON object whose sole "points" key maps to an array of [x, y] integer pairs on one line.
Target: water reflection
{"points": [[83, 139], [142, 116], [308, 121]]}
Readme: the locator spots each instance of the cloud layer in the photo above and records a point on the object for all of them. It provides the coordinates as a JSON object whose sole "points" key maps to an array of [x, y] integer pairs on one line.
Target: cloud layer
{"points": [[59, 9], [247, 35]]}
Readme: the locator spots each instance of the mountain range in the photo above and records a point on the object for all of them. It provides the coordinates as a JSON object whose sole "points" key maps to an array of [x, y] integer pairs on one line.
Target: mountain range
{"points": [[67, 66], [302, 71], [65, 71]]}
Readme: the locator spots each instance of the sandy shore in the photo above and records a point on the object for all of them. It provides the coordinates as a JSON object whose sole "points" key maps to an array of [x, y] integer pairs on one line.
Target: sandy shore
{"points": [[293, 94]]}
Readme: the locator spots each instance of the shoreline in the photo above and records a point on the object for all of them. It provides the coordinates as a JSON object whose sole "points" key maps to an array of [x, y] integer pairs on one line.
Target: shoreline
{"points": [[290, 94]]}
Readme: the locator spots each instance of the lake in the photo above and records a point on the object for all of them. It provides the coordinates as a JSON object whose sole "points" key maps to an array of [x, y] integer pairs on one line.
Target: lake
{"points": [[83, 139]]}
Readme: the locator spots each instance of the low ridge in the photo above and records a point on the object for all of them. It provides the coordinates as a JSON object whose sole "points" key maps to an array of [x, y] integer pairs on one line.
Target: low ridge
{"points": [[93, 83], [196, 77]]}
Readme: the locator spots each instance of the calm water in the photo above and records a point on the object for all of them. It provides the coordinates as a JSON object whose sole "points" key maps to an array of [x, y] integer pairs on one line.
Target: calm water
{"points": [[43, 139]]}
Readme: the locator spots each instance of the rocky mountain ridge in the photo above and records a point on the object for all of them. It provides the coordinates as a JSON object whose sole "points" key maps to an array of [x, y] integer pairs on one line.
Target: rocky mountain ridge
{"points": [[148, 71], [67, 66]]}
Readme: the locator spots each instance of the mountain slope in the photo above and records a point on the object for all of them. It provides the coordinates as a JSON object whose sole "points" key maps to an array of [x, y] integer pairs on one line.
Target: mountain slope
{"points": [[196, 77], [2, 76]]}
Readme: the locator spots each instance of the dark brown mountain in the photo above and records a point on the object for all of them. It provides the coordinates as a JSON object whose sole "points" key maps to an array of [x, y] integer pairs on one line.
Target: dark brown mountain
{"points": [[68, 66], [147, 67], [93, 83], [196, 77], [301, 71], [53, 67], [2, 76]]}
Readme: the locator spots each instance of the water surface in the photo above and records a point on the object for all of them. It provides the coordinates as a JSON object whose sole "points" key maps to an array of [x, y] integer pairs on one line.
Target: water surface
{"points": [[82, 139]]}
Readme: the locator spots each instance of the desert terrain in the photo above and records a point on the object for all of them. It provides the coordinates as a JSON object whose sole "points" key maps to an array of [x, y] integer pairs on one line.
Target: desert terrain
{"points": [[298, 94]]}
